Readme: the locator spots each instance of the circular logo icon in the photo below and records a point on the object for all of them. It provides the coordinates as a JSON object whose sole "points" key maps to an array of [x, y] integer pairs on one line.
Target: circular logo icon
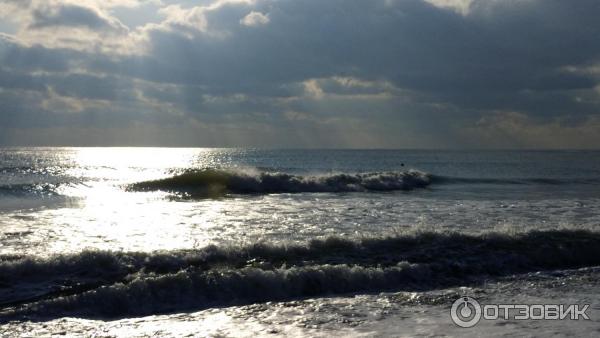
{"points": [[465, 312]]}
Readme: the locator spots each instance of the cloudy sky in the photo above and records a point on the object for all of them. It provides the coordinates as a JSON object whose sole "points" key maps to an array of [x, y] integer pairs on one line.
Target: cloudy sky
{"points": [[301, 73]]}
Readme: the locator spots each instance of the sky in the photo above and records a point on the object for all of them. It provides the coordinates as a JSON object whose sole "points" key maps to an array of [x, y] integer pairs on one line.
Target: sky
{"points": [[301, 73]]}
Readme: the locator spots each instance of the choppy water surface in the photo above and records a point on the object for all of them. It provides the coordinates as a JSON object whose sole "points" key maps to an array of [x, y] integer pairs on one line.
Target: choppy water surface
{"points": [[118, 233]]}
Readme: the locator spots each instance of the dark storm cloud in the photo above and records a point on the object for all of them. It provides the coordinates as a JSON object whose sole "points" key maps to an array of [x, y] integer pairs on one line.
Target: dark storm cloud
{"points": [[425, 70], [499, 47]]}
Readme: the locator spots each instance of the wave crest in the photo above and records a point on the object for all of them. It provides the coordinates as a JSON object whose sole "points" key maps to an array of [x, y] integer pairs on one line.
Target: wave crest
{"points": [[209, 182], [114, 284]]}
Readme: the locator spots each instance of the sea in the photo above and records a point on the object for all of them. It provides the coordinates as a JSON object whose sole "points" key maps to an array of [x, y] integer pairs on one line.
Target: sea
{"points": [[206, 242]]}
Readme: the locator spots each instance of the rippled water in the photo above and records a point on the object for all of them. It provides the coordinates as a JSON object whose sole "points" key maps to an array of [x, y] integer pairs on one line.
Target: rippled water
{"points": [[230, 227]]}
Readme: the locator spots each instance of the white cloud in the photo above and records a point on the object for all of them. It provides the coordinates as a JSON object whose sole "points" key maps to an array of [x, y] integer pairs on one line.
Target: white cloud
{"points": [[82, 25], [176, 16], [312, 89], [255, 19], [71, 15], [350, 88], [460, 6]]}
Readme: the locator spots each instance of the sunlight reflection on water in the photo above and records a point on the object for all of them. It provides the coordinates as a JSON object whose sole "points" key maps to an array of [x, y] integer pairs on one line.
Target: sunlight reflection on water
{"points": [[92, 209]]}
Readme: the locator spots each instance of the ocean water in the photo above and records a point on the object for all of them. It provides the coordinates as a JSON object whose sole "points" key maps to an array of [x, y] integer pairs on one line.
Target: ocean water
{"points": [[246, 242]]}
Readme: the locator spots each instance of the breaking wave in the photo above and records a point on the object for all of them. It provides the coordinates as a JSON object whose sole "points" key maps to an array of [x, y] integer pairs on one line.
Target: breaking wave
{"points": [[218, 182], [103, 284], [212, 182]]}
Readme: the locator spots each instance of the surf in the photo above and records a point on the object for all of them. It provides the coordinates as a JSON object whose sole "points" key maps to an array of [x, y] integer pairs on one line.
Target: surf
{"points": [[106, 284], [213, 182]]}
